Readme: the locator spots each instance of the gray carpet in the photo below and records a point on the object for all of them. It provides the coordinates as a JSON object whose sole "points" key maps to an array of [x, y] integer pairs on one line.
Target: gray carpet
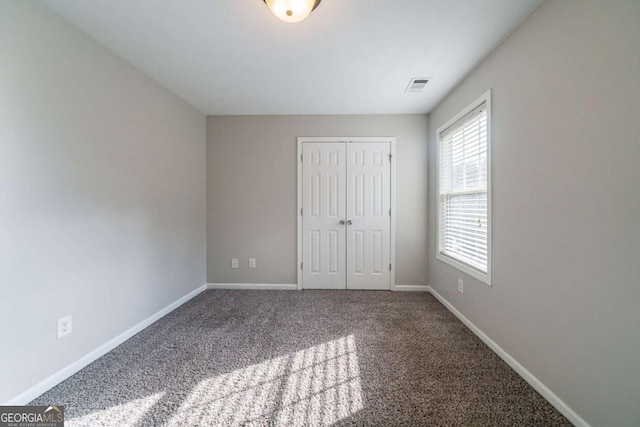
{"points": [[270, 358]]}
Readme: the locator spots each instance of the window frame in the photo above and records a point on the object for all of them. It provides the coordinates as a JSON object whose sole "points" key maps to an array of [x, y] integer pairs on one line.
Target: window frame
{"points": [[485, 278]]}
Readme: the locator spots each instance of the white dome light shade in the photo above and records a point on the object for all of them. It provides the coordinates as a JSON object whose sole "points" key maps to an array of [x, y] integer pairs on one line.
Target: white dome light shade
{"points": [[291, 10]]}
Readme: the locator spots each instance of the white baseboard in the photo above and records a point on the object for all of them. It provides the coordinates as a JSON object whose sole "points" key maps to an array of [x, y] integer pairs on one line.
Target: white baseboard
{"points": [[254, 286], [410, 288], [293, 287], [538, 385], [55, 379]]}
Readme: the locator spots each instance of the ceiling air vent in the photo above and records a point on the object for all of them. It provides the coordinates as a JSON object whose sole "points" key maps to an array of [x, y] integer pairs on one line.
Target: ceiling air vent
{"points": [[417, 84]]}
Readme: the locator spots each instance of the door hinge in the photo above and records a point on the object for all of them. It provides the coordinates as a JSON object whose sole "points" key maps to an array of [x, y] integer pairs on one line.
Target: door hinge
{"points": [[300, 212], [389, 212], [300, 266], [390, 155], [300, 158], [389, 267]]}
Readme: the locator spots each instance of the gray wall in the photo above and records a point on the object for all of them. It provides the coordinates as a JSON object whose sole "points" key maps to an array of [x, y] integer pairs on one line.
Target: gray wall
{"points": [[102, 195], [251, 192], [566, 147]]}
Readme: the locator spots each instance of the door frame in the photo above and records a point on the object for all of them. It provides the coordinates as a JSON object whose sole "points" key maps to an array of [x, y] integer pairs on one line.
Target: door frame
{"points": [[392, 141]]}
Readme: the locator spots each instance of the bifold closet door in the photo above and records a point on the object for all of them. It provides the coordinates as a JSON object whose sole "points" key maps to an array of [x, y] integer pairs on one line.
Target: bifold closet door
{"points": [[368, 215], [323, 215]]}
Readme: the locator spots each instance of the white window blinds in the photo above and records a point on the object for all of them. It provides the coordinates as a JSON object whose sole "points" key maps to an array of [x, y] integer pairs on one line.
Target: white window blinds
{"points": [[463, 190]]}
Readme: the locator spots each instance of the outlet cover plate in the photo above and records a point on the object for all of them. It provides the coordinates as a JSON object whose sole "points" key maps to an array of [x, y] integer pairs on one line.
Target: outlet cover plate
{"points": [[64, 326]]}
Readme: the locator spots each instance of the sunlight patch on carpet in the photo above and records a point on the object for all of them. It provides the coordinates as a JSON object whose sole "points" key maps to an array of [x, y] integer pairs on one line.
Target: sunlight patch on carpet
{"points": [[316, 386], [127, 414]]}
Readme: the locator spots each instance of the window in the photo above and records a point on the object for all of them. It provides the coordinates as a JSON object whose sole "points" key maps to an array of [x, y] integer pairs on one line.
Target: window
{"points": [[464, 189]]}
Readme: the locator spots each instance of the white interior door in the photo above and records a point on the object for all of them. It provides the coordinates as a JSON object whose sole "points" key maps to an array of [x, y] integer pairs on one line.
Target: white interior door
{"points": [[346, 215], [368, 215], [323, 215]]}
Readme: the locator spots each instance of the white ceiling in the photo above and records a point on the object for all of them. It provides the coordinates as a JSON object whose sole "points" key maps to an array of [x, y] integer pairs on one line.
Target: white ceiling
{"points": [[348, 57]]}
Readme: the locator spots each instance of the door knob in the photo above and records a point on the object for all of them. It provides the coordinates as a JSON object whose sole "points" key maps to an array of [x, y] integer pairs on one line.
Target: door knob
{"points": [[342, 222], [349, 222]]}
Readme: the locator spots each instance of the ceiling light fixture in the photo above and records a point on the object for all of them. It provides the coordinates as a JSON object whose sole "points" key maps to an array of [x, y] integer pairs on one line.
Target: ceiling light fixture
{"points": [[292, 10]]}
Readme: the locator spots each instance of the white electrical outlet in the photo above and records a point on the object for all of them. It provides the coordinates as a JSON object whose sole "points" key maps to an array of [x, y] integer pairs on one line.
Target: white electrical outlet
{"points": [[64, 326], [234, 263], [252, 263], [460, 286]]}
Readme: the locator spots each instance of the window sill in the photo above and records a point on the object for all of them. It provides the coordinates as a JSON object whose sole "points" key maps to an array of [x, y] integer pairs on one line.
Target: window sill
{"points": [[483, 277]]}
